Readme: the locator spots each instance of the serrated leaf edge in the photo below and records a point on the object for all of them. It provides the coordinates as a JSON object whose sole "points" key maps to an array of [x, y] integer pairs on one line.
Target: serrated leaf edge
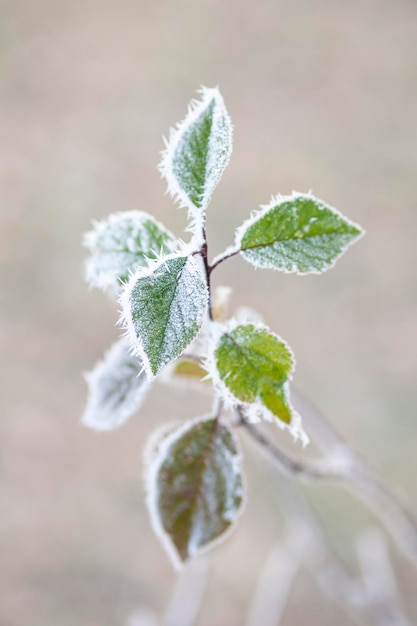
{"points": [[274, 202], [125, 320], [91, 237], [255, 411], [153, 463], [195, 108]]}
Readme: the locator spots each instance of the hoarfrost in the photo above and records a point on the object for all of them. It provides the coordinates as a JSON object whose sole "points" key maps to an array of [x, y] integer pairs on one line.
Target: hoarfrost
{"points": [[121, 243], [195, 487], [254, 410], [197, 152], [296, 234], [117, 387], [163, 307]]}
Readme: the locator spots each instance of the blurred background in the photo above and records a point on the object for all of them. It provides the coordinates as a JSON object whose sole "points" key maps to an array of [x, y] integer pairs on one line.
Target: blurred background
{"points": [[323, 96]]}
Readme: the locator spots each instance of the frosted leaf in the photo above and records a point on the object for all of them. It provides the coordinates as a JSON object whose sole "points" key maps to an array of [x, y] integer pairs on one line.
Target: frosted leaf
{"points": [[198, 151], [117, 387], [251, 366], [163, 308], [296, 233], [122, 243], [195, 487]]}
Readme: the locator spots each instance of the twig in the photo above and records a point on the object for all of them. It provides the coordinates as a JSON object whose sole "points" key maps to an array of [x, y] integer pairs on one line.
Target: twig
{"points": [[379, 581], [273, 587], [334, 577], [322, 470], [354, 476], [204, 256], [228, 254], [188, 595], [385, 501]]}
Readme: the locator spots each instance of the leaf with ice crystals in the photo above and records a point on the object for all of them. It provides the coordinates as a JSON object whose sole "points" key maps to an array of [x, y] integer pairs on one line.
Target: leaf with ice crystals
{"points": [[195, 487], [253, 366], [296, 233], [163, 308], [198, 151], [117, 387], [122, 243]]}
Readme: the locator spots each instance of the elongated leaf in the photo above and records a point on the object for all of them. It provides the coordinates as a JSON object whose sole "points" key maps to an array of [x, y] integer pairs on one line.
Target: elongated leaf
{"points": [[253, 366], [198, 151], [195, 487], [163, 309], [117, 386], [121, 244], [297, 233]]}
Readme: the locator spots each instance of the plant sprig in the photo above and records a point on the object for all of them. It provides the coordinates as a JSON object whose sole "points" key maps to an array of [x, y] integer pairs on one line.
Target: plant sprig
{"points": [[196, 487]]}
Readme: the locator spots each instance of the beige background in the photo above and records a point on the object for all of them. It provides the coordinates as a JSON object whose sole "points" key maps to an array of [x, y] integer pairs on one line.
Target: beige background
{"points": [[323, 96]]}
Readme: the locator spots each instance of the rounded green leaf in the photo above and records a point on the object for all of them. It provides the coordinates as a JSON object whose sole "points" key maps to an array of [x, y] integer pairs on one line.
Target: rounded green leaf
{"points": [[121, 244], [297, 233], [195, 487], [163, 308], [253, 367], [198, 151]]}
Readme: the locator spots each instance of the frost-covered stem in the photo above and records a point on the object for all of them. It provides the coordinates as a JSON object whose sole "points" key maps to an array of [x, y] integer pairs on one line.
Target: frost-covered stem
{"points": [[204, 256], [228, 254], [217, 408], [325, 470], [361, 481]]}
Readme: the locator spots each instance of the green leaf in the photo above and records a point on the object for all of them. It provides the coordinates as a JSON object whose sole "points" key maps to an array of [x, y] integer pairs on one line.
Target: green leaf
{"points": [[198, 152], [121, 244], [163, 308], [297, 233], [117, 387], [195, 487], [253, 366]]}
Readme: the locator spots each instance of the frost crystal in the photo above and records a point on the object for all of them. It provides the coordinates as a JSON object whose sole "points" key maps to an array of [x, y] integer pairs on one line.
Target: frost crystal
{"points": [[117, 388], [163, 307], [296, 233], [198, 151], [195, 487], [251, 367], [121, 244]]}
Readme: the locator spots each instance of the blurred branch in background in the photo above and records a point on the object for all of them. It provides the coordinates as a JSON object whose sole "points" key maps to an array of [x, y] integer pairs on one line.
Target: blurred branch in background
{"points": [[274, 586], [188, 596], [368, 597], [379, 584], [343, 466]]}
